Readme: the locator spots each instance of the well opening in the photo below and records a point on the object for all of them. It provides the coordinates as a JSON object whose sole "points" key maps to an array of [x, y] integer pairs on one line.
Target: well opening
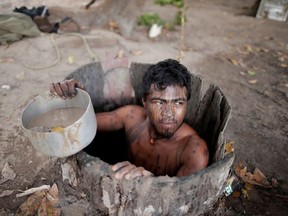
{"points": [[208, 115]]}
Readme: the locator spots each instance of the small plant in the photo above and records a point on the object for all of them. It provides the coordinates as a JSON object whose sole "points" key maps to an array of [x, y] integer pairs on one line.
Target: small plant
{"points": [[177, 3], [148, 19]]}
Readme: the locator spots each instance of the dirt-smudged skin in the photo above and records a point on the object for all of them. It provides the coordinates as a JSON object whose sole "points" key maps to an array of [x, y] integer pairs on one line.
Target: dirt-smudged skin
{"points": [[159, 142]]}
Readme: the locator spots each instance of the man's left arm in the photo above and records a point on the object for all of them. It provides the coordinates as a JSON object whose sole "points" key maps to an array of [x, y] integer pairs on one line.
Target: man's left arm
{"points": [[194, 157]]}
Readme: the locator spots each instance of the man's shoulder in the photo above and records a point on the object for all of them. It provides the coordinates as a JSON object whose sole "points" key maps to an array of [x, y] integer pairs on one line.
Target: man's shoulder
{"points": [[134, 108], [188, 131]]}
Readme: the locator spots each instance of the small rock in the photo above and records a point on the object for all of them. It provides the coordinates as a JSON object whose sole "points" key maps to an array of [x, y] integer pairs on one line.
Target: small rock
{"points": [[8, 87]]}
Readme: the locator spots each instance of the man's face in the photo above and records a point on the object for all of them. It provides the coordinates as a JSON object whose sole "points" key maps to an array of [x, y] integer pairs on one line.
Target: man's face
{"points": [[166, 109]]}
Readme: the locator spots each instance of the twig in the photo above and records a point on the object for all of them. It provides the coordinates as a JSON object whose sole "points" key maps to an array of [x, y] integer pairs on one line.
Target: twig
{"points": [[182, 32], [33, 190]]}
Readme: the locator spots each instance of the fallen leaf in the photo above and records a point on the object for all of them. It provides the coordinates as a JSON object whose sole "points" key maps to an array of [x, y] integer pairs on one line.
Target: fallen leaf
{"points": [[20, 76], [248, 186], [233, 61], [263, 50], [253, 81], [137, 52], [245, 193], [236, 194], [260, 177], [242, 73], [8, 172], [240, 170], [251, 73], [229, 148], [6, 193], [284, 65], [248, 48], [113, 25], [31, 205], [120, 54], [282, 58], [70, 59], [250, 176]]}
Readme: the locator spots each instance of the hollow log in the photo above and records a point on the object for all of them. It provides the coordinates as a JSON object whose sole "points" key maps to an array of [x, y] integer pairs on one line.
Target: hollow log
{"points": [[189, 195]]}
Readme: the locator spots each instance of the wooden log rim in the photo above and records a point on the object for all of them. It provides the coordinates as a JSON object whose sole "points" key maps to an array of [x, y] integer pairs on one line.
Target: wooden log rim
{"points": [[189, 195]]}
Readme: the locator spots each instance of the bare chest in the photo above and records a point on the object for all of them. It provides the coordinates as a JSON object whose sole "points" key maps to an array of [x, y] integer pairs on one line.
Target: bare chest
{"points": [[161, 157]]}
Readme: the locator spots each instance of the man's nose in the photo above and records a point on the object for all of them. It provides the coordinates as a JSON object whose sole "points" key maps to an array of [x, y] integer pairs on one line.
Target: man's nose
{"points": [[167, 112]]}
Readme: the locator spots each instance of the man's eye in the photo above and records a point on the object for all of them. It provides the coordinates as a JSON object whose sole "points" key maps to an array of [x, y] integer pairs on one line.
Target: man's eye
{"points": [[179, 102], [159, 102]]}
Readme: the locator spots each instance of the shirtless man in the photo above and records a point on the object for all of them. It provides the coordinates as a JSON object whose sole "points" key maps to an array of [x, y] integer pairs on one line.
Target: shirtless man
{"points": [[160, 143]]}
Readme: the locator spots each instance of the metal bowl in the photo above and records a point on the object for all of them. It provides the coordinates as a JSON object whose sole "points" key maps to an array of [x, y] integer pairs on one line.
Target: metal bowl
{"points": [[70, 139]]}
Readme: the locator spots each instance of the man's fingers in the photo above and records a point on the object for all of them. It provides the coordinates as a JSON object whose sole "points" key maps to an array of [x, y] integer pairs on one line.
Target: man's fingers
{"points": [[119, 174], [71, 87], [58, 90], [129, 171], [52, 89], [120, 165], [65, 89], [147, 173], [134, 173]]}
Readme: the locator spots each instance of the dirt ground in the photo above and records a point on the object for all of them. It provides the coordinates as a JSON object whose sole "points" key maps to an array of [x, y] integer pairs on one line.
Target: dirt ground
{"points": [[224, 44]]}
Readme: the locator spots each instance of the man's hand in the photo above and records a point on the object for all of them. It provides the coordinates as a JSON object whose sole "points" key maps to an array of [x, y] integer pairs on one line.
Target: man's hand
{"points": [[65, 89], [129, 171]]}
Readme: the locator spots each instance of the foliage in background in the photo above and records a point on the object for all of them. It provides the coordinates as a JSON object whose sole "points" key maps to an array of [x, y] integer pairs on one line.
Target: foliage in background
{"points": [[148, 19], [177, 3]]}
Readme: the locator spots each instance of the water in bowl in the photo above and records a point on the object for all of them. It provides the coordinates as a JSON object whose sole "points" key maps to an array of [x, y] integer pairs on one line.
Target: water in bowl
{"points": [[56, 119]]}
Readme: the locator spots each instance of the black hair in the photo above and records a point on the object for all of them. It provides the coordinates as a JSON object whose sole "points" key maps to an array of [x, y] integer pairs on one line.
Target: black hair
{"points": [[166, 73]]}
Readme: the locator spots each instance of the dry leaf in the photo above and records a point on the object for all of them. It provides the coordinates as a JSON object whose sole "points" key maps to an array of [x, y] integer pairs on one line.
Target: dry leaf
{"points": [[248, 186], [20, 76], [6, 193], [253, 81], [137, 52], [236, 194], [70, 59], [229, 148], [248, 48], [245, 193], [250, 175], [8, 172], [113, 25], [31, 205], [120, 54], [251, 73], [260, 177], [284, 65], [263, 50], [233, 61], [242, 73], [240, 170]]}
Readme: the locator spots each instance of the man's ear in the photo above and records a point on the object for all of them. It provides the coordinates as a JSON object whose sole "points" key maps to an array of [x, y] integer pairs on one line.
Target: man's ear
{"points": [[143, 102]]}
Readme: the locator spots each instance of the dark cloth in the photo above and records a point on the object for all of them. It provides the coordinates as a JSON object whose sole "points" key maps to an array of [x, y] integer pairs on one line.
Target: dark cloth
{"points": [[33, 11]]}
